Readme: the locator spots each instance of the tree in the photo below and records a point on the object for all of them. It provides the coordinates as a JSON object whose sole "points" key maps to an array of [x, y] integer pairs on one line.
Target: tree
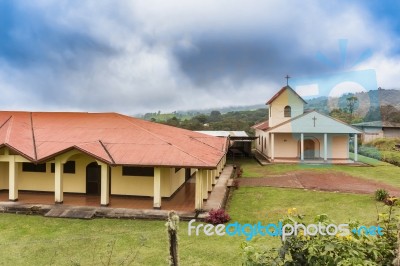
{"points": [[387, 111], [215, 116], [351, 102], [173, 122]]}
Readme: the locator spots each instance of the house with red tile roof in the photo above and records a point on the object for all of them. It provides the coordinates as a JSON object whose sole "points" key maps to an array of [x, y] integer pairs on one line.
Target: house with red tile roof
{"points": [[289, 134], [104, 154]]}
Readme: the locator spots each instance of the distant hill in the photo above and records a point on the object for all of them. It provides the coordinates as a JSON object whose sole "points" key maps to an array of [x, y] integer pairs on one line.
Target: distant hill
{"points": [[366, 101], [192, 113]]}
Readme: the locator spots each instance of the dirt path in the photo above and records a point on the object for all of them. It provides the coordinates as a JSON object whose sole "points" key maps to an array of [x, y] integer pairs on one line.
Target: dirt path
{"points": [[334, 181]]}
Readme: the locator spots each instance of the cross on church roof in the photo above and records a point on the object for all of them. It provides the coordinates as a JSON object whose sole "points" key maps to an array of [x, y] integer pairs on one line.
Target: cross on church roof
{"points": [[314, 118], [287, 80]]}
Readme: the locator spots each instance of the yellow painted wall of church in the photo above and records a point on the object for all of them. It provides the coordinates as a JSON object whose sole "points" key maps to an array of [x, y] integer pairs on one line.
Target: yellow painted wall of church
{"points": [[286, 149], [340, 147], [276, 108], [3, 175]]}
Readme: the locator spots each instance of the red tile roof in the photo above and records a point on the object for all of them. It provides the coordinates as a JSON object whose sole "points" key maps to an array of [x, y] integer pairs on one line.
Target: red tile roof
{"points": [[281, 91], [262, 126], [109, 137]]}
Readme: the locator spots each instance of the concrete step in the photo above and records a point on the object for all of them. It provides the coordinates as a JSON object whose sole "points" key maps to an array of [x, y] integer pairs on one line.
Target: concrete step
{"points": [[76, 213]]}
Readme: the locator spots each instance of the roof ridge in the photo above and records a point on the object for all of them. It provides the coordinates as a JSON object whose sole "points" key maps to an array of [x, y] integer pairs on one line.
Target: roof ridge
{"points": [[276, 95], [108, 153], [158, 137], [5, 122], [33, 136], [9, 128]]}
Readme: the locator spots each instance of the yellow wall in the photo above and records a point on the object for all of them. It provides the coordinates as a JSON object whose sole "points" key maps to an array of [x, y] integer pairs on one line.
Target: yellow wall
{"points": [[144, 185], [286, 149], [35, 181], [276, 108], [3, 175], [337, 145], [340, 147], [131, 185], [75, 183]]}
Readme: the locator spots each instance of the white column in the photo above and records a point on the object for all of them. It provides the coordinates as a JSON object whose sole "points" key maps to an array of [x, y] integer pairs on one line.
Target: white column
{"points": [[302, 146], [105, 185], [355, 148], [205, 184], [325, 147], [157, 188], [13, 179], [198, 191], [272, 146], [58, 181]]}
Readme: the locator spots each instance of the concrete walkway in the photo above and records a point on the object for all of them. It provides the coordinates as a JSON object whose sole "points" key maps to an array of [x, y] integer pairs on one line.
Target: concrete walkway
{"points": [[87, 212], [218, 195]]}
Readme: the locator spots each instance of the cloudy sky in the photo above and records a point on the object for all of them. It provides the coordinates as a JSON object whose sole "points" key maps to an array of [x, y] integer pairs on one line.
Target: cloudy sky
{"points": [[144, 56]]}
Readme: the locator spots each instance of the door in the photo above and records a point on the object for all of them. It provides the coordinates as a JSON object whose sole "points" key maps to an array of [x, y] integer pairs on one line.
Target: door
{"points": [[309, 149], [93, 179]]}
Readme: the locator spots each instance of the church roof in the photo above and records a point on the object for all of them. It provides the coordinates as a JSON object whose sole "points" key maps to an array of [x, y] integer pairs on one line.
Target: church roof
{"points": [[112, 138], [281, 91], [314, 122], [261, 126]]}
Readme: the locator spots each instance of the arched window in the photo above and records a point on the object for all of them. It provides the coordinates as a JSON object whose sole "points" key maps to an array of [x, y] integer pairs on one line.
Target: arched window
{"points": [[288, 111]]}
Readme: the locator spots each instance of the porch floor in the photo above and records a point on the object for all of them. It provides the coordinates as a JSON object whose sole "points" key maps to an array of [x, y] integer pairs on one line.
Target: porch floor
{"points": [[182, 200]]}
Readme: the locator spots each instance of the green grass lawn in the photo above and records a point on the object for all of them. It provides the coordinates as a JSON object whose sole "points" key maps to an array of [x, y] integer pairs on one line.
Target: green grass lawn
{"points": [[35, 240], [376, 170]]}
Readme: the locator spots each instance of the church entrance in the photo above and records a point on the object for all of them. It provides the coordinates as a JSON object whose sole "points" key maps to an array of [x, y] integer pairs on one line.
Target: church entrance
{"points": [[309, 149]]}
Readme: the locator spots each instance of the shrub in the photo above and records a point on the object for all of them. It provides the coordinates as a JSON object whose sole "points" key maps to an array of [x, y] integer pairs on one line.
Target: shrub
{"points": [[381, 194], [351, 249], [219, 216], [235, 183]]}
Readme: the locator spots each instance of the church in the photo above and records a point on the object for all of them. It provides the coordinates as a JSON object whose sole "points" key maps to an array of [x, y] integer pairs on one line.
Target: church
{"points": [[291, 134]]}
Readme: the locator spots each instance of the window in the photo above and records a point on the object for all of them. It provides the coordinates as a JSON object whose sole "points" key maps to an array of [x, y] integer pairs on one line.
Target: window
{"points": [[69, 167], [177, 169], [288, 111], [31, 167], [137, 171]]}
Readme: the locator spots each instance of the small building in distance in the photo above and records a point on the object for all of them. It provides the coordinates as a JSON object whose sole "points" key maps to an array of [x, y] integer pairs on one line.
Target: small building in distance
{"points": [[240, 141], [378, 129]]}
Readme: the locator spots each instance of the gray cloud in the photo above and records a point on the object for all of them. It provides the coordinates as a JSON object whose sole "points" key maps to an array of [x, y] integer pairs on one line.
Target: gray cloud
{"points": [[139, 56]]}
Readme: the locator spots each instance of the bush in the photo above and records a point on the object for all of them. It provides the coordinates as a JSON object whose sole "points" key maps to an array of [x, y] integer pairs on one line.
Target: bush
{"points": [[235, 183], [383, 144], [392, 157], [351, 249], [381, 194], [219, 216]]}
